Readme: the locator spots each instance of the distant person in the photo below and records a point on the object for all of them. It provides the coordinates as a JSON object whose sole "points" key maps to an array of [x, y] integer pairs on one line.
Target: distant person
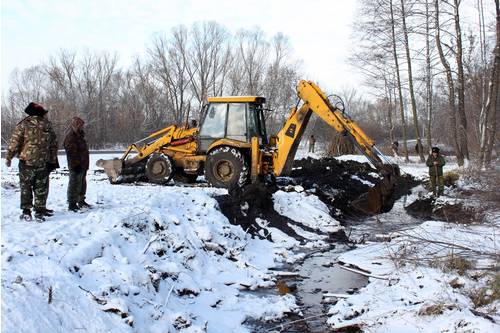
{"points": [[312, 142], [193, 123], [77, 153], [435, 162], [395, 148], [35, 143]]}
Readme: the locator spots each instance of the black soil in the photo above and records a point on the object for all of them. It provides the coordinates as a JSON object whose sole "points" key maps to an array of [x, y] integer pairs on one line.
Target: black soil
{"points": [[329, 179], [427, 208]]}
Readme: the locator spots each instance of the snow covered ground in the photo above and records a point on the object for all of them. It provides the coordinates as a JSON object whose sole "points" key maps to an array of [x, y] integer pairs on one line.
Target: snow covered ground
{"points": [[163, 258], [415, 282], [143, 259]]}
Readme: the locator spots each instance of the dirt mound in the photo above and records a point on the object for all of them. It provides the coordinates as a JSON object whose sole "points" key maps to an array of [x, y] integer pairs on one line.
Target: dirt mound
{"points": [[339, 183], [336, 183], [430, 208], [243, 206]]}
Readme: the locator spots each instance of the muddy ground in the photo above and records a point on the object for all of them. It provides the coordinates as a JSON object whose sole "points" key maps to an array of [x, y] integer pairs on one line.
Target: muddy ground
{"points": [[336, 183]]}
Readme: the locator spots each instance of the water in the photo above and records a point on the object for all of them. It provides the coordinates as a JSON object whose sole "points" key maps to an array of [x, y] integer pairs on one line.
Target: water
{"points": [[319, 273]]}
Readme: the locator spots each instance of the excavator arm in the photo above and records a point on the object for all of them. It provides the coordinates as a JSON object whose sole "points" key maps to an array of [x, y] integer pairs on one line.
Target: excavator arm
{"points": [[378, 198], [315, 101]]}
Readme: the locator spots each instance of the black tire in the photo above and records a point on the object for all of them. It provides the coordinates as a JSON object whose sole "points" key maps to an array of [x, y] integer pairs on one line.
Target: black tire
{"points": [[159, 169], [226, 167]]}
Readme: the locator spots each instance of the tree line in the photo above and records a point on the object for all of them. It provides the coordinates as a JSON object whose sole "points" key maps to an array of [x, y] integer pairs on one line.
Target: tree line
{"points": [[434, 74], [168, 85]]}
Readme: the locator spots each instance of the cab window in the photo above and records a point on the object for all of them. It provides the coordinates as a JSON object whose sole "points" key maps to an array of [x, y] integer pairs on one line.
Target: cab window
{"points": [[215, 121], [236, 122]]}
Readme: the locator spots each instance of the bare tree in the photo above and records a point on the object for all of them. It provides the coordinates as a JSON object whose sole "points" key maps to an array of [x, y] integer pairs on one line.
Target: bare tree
{"points": [[451, 88]]}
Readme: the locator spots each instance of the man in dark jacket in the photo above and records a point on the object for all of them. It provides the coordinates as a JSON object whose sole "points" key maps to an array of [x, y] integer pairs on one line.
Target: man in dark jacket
{"points": [[35, 143], [77, 153], [435, 162]]}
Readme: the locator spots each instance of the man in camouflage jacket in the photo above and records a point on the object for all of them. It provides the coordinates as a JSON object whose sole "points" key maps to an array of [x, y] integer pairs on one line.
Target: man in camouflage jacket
{"points": [[77, 152], [435, 162], [35, 143]]}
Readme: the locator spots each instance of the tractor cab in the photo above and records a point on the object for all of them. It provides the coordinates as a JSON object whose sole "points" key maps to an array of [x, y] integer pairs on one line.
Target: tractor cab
{"points": [[233, 118]]}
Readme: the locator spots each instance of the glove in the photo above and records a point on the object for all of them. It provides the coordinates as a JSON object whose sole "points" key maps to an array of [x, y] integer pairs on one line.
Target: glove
{"points": [[8, 163], [77, 169]]}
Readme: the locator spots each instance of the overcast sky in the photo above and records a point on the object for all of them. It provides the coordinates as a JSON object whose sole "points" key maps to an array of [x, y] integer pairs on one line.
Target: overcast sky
{"points": [[32, 30]]}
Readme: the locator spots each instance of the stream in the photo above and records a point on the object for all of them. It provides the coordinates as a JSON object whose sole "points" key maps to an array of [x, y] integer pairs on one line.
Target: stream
{"points": [[319, 274]]}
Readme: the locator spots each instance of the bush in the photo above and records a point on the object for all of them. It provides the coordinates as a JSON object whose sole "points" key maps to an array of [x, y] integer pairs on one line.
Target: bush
{"points": [[487, 294], [450, 178]]}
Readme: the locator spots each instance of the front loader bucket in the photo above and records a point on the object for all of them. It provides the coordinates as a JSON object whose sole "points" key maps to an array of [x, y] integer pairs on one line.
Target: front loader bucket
{"points": [[118, 172], [113, 168], [379, 198]]}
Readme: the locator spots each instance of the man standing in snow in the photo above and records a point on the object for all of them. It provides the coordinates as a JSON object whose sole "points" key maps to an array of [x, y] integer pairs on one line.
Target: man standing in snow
{"points": [[77, 152], [35, 143], [435, 162], [312, 142]]}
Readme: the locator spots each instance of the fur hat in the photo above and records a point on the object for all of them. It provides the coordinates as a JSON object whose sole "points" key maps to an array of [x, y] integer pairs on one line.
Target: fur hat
{"points": [[435, 150], [35, 109]]}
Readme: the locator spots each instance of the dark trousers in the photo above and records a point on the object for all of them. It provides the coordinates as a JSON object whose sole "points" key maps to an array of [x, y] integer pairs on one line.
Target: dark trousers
{"points": [[77, 186], [33, 181]]}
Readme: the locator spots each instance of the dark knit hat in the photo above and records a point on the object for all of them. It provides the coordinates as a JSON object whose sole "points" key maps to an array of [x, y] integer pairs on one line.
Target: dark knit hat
{"points": [[77, 122], [35, 109], [435, 150]]}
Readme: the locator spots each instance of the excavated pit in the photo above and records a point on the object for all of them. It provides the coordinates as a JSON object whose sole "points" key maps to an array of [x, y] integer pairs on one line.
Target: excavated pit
{"points": [[336, 183]]}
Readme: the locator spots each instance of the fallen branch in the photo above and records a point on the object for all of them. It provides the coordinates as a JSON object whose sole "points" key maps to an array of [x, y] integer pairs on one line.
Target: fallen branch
{"points": [[357, 271]]}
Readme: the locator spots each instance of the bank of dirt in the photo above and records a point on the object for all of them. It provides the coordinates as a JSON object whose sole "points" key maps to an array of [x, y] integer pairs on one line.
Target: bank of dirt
{"points": [[335, 183]]}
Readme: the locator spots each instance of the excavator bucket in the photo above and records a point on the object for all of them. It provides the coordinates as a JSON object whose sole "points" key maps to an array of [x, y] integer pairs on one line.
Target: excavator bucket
{"points": [[379, 198]]}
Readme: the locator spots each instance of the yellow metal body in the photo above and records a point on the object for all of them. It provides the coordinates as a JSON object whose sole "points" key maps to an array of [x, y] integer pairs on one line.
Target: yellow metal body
{"points": [[237, 99], [181, 143], [315, 100]]}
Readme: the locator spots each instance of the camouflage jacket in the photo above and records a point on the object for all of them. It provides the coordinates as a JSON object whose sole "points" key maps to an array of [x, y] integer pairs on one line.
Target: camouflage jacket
{"points": [[439, 166], [34, 141]]}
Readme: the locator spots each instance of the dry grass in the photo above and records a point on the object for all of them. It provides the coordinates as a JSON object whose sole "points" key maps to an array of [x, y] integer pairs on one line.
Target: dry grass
{"points": [[454, 263], [487, 294], [451, 178], [435, 309]]}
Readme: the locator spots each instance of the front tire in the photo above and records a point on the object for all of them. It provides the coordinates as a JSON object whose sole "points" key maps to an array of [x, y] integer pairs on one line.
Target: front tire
{"points": [[226, 167], [159, 169]]}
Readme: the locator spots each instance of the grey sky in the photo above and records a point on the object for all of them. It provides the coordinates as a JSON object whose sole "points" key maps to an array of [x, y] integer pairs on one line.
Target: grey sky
{"points": [[32, 30]]}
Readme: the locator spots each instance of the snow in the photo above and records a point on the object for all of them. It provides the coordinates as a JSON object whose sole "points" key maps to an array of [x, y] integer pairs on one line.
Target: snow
{"points": [[143, 259], [409, 279], [392, 304], [150, 258], [311, 211]]}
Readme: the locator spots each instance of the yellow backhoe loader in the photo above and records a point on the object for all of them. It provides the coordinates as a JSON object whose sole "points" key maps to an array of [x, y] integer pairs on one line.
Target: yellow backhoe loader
{"points": [[231, 147]]}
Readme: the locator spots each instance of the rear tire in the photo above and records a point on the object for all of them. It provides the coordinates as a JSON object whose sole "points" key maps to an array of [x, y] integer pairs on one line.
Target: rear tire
{"points": [[226, 167], [159, 169]]}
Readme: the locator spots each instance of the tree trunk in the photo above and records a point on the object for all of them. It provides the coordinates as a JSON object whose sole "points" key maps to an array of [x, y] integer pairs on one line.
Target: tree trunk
{"points": [[410, 84], [462, 118], [400, 93], [451, 90], [428, 76], [494, 95]]}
